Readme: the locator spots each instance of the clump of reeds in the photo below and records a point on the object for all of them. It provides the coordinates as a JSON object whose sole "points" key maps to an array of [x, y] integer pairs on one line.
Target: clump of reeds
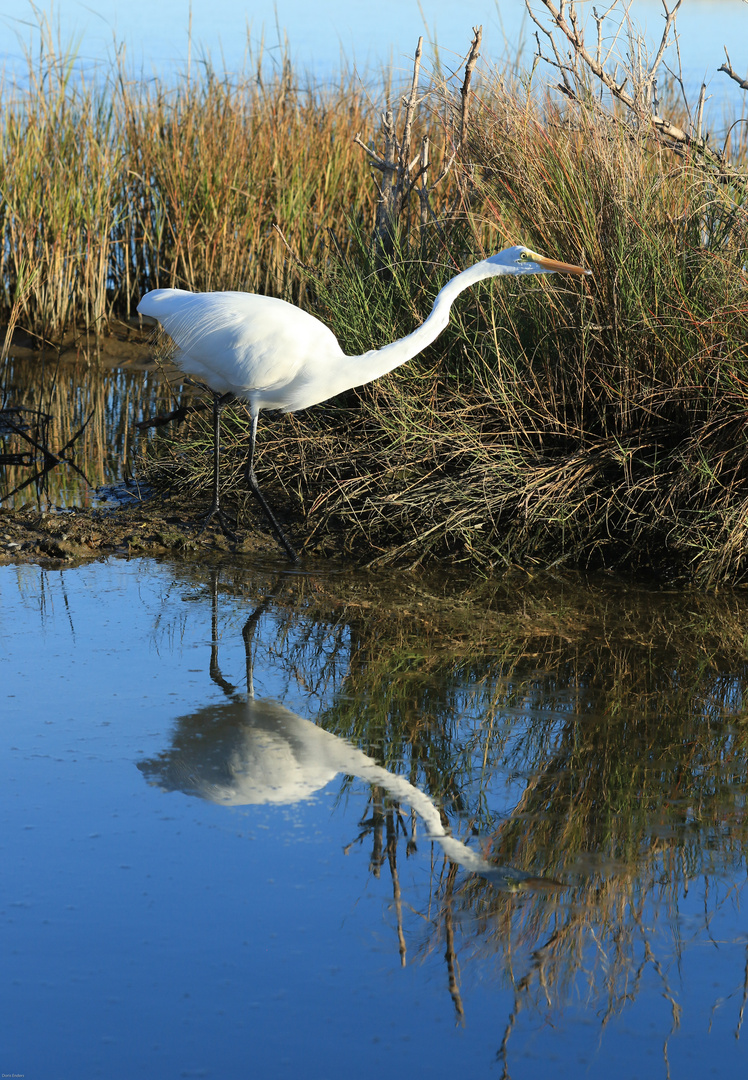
{"points": [[112, 185], [598, 423]]}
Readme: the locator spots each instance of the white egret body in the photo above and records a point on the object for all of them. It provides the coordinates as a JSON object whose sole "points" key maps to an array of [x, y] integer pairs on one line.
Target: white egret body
{"points": [[276, 356]]}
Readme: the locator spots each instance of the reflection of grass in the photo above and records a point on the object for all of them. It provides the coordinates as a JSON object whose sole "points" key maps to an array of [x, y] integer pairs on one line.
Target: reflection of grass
{"points": [[623, 709], [90, 410], [619, 715]]}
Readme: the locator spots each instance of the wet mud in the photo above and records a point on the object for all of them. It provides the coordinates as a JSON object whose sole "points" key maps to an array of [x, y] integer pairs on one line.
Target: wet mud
{"points": [[152, 526]]}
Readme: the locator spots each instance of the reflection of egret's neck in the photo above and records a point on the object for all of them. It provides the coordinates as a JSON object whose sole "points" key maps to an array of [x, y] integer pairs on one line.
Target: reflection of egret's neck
{"points": [[258, 751]]}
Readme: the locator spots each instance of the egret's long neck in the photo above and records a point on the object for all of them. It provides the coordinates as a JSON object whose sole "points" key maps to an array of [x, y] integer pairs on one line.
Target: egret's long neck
{"points": [[379, 361]]}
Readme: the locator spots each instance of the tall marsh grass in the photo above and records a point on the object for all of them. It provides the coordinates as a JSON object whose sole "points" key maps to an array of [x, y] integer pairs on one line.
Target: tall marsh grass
{"points": [[600, 423], [111, 186]]}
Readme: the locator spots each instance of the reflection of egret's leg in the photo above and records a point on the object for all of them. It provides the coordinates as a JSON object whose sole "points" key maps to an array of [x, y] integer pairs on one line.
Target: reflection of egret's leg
{"points": [[395, 878], [450, 954], [248, 654], [248, 633], [317, 754], [215, 671]]}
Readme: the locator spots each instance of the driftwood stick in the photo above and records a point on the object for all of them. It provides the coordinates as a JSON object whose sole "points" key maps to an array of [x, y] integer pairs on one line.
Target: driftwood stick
{"points": [[641, 98], [470, 63], [405, 172]]}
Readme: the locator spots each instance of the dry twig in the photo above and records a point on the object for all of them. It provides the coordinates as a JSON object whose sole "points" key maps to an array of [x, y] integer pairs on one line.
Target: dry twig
{"points": [[402, 175]]}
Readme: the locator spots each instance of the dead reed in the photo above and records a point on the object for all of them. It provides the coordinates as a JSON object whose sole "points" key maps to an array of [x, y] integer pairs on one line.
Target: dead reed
{"points": [[113, 186]]}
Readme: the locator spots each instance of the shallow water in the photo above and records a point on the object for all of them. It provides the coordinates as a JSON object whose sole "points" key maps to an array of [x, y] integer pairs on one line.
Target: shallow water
{"points": [[161, 37], [224, 838], [86, 415]]}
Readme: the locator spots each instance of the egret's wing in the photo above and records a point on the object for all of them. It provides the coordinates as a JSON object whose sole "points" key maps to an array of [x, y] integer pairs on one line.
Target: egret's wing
{"points": [[239, 342]]}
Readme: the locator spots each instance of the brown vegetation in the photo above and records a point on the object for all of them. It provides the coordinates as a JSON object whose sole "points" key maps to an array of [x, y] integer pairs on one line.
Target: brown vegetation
{"points": [[594, 425]]}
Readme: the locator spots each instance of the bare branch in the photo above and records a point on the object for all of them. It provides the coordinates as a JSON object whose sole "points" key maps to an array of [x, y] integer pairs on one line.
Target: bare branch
{"points": [[470, 63], [410, 106], [377, 162], [402, 174], [575, 36], [700, 110], [728, 70], [423, 173], [465, 94], [641, 99], [667, 34]]}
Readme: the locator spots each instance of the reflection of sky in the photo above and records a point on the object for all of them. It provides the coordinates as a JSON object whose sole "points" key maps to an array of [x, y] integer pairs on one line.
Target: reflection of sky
{"points": [[156, 34], [145, 933]]}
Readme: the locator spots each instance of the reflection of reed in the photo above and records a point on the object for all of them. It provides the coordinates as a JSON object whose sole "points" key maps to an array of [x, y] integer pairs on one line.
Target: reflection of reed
{"points": [[73, 427], [590, 734]]}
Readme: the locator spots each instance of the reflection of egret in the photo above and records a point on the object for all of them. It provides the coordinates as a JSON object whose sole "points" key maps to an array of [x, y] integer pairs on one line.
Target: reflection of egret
{"points": [[242, 753], [252, 750], [276, 356]]}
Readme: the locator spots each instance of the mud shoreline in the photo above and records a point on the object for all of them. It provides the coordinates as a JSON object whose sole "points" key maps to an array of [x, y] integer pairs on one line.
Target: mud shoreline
{"points": [[155, 526]]}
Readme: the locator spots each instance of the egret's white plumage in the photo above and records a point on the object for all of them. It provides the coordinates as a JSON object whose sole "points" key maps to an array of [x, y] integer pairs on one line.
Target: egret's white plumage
{"points": [[254, 347], [276, 356]]}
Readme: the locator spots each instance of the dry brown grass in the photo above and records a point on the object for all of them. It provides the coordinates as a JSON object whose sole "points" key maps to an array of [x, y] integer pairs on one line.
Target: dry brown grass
{"points": [[597, 424]]}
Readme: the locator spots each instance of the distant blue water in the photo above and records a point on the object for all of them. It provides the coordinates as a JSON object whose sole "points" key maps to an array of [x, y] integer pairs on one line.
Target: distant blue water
{"points": [[328, 34]]}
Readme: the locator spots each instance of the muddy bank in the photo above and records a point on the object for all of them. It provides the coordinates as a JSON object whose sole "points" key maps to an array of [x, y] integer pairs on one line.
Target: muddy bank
{"points": [[121, 388], [149, 527]]}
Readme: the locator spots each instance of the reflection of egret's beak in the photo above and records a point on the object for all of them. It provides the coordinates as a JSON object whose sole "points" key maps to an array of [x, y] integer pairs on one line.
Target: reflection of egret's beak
{"points": [[537, 884]]}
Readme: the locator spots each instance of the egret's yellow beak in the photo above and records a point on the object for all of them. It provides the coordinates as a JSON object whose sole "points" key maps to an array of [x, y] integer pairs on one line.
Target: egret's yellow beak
{"points": [[552, 265]]}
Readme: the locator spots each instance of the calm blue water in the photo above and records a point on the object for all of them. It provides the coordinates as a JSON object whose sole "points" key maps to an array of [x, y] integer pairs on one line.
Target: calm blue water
{"points": [[196, 883], [332, 33]]}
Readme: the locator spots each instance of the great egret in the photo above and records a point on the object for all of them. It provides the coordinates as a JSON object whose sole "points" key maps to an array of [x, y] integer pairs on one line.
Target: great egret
{"points": [[273, 355]]}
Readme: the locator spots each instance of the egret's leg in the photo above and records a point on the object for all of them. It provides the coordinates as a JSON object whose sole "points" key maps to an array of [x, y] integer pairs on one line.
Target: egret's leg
{"points": [[215, 509], [254, 488]]}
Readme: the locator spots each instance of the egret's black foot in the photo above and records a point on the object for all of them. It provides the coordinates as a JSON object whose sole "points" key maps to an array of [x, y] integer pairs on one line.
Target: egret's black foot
{"points": [[222, 520], [279, 534], [287, 547]]}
